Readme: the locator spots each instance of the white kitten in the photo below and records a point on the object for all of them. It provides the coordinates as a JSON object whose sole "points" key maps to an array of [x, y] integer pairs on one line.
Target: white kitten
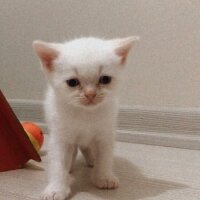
{"points": [[81, 107]]}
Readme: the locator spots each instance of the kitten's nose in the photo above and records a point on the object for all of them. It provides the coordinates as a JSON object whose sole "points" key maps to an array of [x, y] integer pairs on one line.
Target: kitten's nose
{"points": [[90, 93]]}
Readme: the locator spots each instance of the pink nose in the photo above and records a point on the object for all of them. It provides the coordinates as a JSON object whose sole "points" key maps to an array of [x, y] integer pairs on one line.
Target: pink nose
{"points": [[90, 94]]}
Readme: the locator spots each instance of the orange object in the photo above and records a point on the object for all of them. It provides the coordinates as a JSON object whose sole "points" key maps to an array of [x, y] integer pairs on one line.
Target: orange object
{"points": [[34, 133]]}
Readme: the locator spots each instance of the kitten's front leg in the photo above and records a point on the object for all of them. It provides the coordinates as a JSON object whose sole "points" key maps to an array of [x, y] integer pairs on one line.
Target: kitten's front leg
{"points": [[103, 176], [60, 160]]}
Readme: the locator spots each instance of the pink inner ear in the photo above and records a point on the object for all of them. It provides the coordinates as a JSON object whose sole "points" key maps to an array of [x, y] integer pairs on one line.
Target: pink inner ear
{"points": [[123, 53], [47, 58], [47, 54], [124, 46]]}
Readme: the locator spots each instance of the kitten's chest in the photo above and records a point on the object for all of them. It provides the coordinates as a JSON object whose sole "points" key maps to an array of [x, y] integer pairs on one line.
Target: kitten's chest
{"points": [[87, 125], [87, 122], [85, 128]]}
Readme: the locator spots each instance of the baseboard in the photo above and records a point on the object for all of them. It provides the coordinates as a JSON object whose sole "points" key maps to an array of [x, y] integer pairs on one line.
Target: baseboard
{"points": [[174, 127]]}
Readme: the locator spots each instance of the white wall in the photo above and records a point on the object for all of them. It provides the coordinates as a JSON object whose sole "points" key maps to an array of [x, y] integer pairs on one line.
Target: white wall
{"points": [[162, 70]]}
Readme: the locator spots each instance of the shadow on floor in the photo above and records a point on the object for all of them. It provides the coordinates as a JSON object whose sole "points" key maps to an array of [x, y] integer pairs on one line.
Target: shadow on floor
{"points": [[133, 184]]}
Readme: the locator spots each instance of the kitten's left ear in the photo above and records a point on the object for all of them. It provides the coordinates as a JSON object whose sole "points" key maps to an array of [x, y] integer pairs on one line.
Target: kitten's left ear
{"points": [[123, 46], [47, 52]]}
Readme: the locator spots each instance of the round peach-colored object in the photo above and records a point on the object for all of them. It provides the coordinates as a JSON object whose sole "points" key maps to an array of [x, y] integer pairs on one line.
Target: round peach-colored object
{"points": [[34, 133]]}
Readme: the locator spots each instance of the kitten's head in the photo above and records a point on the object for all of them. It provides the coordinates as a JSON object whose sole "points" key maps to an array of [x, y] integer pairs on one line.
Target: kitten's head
{"points": [[86, 71]]}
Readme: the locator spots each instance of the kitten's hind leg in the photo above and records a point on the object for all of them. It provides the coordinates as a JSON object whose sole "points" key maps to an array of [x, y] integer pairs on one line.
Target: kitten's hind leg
{"points": [[75, 151], [89, 154]]}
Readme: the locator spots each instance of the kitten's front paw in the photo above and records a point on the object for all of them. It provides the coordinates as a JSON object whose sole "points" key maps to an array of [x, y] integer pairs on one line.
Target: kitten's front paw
{"points": [[51, 193], [106, 182]]}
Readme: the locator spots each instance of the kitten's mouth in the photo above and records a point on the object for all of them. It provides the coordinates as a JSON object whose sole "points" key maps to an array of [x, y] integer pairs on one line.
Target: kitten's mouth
{"points": [[90, 103]]}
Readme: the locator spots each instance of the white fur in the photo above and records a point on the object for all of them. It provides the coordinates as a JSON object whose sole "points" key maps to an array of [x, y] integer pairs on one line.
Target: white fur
{"points": [[72, 124]]}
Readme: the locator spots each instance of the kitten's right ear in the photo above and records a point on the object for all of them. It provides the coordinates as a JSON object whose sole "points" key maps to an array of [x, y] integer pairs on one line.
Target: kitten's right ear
{"points": [[123, 47], [47, 52]]}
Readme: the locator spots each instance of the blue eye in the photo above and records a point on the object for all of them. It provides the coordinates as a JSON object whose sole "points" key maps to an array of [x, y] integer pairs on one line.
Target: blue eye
{"points": [[105, 80], [73, 82]]}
